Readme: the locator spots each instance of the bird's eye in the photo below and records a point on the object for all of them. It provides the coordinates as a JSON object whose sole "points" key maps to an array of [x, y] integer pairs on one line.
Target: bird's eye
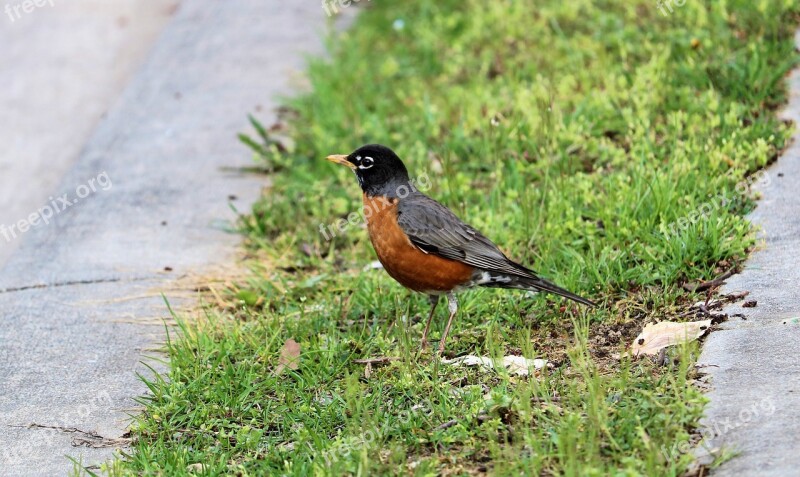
{"points": [[366, 163]]}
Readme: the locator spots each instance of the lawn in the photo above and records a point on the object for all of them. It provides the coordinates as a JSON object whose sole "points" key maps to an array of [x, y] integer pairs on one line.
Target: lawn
{"points": [[608, 145]]}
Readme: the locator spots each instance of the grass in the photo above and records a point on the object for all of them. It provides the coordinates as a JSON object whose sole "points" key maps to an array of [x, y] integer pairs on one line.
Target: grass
{"points": [[583, 137]]}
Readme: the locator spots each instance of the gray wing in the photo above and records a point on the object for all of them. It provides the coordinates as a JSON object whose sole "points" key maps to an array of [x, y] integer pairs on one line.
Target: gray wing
{"points": [[436, 230]]}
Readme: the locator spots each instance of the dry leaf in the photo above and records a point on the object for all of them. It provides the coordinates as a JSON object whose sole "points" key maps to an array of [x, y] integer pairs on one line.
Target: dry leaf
{"points": [[517, 365], [290, 356], [657, 336], [368, 370]]}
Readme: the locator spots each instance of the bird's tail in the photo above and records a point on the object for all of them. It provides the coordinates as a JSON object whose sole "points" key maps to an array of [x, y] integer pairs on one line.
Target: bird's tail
{"points": [[532, 283]]}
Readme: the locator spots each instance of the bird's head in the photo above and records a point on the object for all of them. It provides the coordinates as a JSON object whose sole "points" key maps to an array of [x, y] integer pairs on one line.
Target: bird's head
{"points": [[378, 169]]}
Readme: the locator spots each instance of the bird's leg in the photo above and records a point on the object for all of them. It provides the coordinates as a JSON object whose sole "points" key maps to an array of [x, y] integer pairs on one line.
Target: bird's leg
{"points": [[452, 305], [434, 299]]}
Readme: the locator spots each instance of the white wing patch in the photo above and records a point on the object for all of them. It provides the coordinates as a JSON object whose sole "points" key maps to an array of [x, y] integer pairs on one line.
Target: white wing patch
{"points": [[488, 277]]}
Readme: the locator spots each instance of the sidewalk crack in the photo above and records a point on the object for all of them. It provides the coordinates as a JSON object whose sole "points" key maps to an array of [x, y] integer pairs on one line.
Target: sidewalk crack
{"points": [[64, 284]]}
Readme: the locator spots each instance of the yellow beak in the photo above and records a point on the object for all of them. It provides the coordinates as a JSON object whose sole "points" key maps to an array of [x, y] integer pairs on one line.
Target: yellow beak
{"points": [[341, 159]]}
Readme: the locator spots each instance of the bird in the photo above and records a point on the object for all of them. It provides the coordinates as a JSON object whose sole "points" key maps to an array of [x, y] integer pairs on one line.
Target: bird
{"points": [[424, 246]]}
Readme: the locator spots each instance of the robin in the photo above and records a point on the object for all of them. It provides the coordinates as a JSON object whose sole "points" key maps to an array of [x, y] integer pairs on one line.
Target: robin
{"points": [[423, 245]]}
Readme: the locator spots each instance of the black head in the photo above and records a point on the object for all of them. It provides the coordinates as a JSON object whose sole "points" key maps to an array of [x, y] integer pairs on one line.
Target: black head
{"points": [[379, 170]]}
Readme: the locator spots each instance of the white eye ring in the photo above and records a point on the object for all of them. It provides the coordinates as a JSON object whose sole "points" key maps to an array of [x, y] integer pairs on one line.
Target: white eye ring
{"points": [[366, 163]]}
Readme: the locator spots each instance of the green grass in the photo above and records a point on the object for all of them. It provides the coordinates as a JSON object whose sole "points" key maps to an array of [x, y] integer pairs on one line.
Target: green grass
{"points": [[583, 137]]}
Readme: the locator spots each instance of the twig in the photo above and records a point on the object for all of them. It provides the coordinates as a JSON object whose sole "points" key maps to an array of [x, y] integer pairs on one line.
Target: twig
{"points": [[736, 295], [83, 438], [709, 284], [706, 307], [446, 425], [383, 360]]}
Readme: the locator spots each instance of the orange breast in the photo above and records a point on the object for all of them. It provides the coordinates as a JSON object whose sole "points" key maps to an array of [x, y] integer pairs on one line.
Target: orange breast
{"points": [[403, 261]]}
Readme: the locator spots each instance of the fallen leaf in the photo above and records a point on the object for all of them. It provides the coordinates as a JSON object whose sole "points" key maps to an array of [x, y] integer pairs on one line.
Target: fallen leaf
{"points": [[290, 356], [654, 337], [517, 365]]}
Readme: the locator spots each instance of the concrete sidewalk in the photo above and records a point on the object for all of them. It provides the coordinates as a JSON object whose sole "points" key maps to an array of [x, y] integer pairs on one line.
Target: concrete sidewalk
{"points": [[72, 337], [753, 361], [51, 98]]}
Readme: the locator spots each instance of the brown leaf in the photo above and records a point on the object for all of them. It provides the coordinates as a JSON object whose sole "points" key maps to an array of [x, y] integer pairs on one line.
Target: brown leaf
{"points": [[290, 356], [654, 337]]}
